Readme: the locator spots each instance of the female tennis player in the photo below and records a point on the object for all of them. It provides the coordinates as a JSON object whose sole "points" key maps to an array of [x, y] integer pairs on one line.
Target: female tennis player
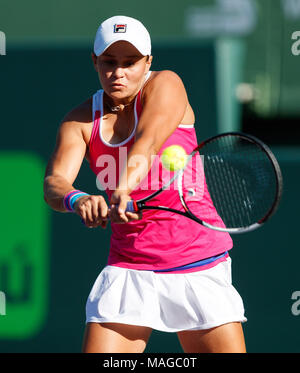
{"points": [[148, 282]]}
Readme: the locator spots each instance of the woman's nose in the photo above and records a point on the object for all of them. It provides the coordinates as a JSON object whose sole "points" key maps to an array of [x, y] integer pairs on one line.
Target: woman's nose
{"points": [[119, 72]]}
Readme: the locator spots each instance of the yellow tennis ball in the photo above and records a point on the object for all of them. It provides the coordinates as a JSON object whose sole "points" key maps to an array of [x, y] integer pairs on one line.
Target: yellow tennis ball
{"points": [[174, 158]]}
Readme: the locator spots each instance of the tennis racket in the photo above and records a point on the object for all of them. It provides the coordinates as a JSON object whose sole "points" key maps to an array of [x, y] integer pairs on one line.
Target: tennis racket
{"points": [[242, 177]]}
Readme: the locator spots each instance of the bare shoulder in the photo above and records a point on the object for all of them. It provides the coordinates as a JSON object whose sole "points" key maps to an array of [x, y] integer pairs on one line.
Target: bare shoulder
{"points": [[164, 76], [165, 83], [78, 121], [80, 114], [164, 89]]}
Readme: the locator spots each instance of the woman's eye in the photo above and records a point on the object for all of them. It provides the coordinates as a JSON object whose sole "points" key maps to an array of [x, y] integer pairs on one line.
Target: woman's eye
{"points": [[110, 62], [129, 63]]}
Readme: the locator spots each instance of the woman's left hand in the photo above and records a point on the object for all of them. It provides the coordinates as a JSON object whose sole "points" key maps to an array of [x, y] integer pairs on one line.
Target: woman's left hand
{"points": [[117, 213]]}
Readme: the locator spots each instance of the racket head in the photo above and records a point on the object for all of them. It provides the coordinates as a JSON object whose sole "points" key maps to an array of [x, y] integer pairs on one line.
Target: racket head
{"points": [[242, 178]]}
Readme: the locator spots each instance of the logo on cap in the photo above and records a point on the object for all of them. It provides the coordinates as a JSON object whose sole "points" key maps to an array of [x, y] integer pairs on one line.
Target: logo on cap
{"points": [[120, 28]]}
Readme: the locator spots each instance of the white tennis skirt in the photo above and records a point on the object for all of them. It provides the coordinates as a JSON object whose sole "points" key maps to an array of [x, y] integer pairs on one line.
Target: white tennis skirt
{"points": [[165, 301]]}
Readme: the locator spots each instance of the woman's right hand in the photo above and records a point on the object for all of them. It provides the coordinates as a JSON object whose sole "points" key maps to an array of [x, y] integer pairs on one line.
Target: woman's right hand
{"points": [[117, 212], [93, 210]]}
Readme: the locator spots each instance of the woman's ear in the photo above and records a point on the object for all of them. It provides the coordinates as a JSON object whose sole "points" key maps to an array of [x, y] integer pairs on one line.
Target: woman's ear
{"points": [[94, 59], [148, 62]]}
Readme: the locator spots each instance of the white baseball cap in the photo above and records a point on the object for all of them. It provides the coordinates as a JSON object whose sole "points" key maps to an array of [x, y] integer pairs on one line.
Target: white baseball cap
{"points": [[122, 28]]}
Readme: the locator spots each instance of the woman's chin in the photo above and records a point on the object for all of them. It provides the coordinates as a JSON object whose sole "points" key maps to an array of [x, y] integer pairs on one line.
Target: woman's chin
{"points": [[117, 94]]}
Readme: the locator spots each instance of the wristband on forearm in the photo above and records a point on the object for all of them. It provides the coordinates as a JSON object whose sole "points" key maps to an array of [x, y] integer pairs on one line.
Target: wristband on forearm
{"points": [[71, 197]]}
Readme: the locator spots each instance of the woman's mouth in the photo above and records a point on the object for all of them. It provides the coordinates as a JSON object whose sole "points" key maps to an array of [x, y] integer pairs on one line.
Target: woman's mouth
{"points": [[117, 85]]}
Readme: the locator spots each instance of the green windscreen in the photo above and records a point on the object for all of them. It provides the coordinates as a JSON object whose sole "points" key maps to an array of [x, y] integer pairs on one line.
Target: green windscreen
{"points": [[24, 252]]}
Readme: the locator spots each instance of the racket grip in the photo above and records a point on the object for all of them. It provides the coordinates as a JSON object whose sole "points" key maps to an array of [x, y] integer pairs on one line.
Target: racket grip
{"points": [[132, 206]]}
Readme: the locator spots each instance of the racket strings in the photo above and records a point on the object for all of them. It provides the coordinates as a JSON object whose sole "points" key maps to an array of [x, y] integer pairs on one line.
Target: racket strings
{"points": [[241, 182], [227, 205]]}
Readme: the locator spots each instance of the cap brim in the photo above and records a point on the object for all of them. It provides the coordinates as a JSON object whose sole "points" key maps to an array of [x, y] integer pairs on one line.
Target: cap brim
{"points": [[101, 51]]}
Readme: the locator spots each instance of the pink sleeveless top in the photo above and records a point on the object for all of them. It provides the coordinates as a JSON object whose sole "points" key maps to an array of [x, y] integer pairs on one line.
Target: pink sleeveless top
{"points": [[161, 239]]}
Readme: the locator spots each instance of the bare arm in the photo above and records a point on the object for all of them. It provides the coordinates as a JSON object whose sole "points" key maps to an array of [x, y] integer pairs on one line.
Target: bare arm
{"points": [[164, 106], [61, 172], [64, 164]]}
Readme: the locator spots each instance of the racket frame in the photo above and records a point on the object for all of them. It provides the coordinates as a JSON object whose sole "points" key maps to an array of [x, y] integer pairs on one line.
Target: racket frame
{"points": [[138, 205]]}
